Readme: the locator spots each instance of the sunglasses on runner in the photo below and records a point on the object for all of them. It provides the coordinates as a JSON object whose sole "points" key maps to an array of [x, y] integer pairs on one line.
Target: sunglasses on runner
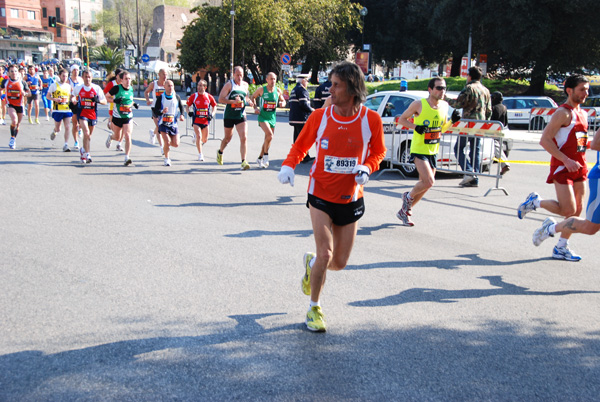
{"points": [[440, 88]]}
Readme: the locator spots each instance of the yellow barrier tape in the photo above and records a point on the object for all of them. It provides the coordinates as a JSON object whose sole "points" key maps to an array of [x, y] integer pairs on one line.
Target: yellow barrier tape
{"points": [[589, 164]]}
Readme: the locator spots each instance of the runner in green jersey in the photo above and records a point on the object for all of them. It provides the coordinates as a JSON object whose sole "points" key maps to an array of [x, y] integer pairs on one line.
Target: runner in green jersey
{"points": [[122, 96], [233, 95], [270, 97]]}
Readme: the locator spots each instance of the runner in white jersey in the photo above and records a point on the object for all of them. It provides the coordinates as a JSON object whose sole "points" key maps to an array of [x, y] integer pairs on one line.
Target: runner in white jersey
{"points": [[156, 88], [75, 80]]}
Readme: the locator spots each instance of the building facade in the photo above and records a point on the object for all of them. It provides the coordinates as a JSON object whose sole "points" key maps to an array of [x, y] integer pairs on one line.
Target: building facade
{"points": [[76, 15], [24, 38]]}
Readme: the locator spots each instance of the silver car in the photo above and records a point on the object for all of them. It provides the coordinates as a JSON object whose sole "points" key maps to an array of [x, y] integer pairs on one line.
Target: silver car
{"points": [[519, 109], [389, 104]]}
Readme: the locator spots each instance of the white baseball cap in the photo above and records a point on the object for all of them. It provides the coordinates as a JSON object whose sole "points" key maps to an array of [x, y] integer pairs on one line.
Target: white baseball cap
{"points": [[74, 67]]}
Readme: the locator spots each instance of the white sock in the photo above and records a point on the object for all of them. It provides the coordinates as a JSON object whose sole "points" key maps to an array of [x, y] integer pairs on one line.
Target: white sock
{"points": [[562, 242], [536, 202], [313, 304], [312, 262]]}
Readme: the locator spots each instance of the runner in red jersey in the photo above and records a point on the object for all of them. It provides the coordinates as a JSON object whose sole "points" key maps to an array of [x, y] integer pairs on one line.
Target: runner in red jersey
{"points": [[565, 139], [204, 106], [88, 97], [350, 146], [16, 91]]}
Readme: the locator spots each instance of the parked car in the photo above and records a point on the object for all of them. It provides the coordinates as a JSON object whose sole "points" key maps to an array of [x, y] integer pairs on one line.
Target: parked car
{"points": [[593, 102], [519, 108], [389, 104]]}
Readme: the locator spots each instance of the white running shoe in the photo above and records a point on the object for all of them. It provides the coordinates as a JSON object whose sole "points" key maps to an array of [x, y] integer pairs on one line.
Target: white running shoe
{"points": [[542, 233], [108, 141], [152, 137], [265, 163], [404, 218], [259, 162], [564, 253], [200, 157], [119, 146], [88, 158], [167, 162], [528, 205], [12, 143], [2, 122], [66, 148], [162, 151], [82, 156]]}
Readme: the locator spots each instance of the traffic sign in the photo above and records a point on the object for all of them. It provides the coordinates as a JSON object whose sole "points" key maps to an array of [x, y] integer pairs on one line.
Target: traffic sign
{"points": [[286, 58], [145, 58], [286, 67], [103, 62]]}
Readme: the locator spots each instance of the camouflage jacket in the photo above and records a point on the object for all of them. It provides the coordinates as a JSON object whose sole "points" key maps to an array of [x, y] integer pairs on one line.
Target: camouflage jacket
{"points": [[475, 102]]}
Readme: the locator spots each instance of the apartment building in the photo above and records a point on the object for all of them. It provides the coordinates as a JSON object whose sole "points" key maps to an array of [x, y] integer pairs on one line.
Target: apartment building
{"points": [[74, 14], [23, 36]]}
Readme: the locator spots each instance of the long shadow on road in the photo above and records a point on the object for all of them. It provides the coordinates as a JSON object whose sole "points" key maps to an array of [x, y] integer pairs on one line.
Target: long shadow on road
{"points": [[501, 288], [253, 361]]}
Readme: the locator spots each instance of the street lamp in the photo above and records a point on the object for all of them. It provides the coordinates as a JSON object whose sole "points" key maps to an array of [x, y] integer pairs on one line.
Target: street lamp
{"points": [[137, 59], [363, 13]]}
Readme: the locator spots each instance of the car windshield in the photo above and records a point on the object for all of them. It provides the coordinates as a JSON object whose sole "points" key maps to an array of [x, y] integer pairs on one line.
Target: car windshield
{"points": [[531, 103], [374, 102]]}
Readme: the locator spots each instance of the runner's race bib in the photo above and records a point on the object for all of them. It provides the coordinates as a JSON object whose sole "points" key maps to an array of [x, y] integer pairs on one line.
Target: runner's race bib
{"points": [[432, 136], [581, 141], [87, 103], [238, 105], [168, 118], [269, 106], [201, 113], [125, 109], [334, 164]]}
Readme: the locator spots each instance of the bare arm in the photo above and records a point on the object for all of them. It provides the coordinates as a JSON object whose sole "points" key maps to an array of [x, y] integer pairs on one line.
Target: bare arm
{"points": [[147, 93], [256, 94], [281, 98], [413, 110], [561, 118], [595, 143], [225, 93]]}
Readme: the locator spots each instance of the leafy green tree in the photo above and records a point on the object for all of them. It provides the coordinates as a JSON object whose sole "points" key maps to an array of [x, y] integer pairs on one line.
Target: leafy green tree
{"points": [[115, 57], [325, 26], [264, 29]]}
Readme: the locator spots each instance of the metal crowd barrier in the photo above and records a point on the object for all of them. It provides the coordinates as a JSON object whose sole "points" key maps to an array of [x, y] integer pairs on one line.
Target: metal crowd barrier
{"points": [[189, 128], [539, 117], [489, 132]]}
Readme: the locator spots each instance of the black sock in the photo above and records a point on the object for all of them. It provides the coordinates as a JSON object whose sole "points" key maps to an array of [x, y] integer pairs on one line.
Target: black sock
{"points": [[220, 153], [12, 131]]}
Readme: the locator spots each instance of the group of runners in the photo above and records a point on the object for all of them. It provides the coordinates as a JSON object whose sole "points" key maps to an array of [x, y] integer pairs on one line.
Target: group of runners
{"points": [[349, 143]]}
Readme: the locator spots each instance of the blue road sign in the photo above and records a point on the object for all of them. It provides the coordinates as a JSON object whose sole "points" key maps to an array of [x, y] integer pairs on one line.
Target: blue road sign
{"points": [[145, 58]]}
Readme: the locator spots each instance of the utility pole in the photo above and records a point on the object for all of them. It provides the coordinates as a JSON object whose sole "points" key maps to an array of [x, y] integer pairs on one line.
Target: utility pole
{"points": [[232, 12], [137, 17]]}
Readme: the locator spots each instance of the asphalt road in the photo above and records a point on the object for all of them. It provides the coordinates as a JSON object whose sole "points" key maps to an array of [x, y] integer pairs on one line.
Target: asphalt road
{"points": [[162, 283]]}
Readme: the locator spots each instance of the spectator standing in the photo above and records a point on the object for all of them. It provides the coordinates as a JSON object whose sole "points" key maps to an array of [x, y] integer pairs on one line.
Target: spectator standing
{"points": [[300, 108], [476, 104]]}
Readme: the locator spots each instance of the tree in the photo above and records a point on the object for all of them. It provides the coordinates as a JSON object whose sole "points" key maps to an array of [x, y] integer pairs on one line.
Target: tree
{"points": [[261, 38], [325, 38], [115, 57]]}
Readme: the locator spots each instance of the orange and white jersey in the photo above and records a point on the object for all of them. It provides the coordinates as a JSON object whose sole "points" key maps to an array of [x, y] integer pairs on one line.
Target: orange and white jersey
{"points": [[342, 143]]}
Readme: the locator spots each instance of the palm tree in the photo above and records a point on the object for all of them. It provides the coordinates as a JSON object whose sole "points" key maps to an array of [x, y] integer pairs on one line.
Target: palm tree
{"points": [[115, 57]]}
